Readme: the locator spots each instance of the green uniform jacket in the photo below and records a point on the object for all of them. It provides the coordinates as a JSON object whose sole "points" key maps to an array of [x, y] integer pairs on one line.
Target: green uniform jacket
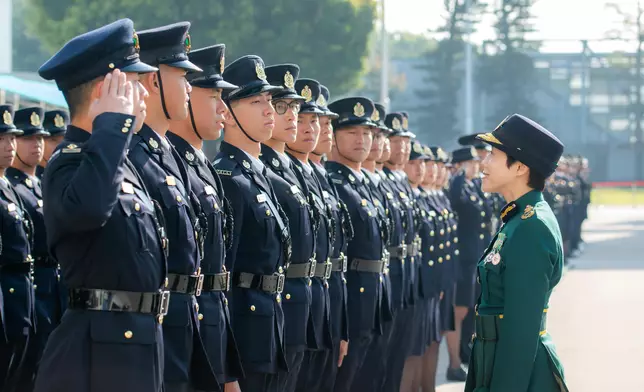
{"points": [[513, 351]]}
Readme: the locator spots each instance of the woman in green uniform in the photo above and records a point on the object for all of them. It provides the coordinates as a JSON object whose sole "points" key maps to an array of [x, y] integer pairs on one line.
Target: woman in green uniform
{"points": [[513, 351]]}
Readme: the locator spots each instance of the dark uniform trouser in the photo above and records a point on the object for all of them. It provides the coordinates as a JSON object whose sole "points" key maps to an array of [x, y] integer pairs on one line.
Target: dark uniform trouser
{"points": [[260, 382], [399, 349], [12, 361], [358, 349], [319, 370], [288, 380], [373, 373]]}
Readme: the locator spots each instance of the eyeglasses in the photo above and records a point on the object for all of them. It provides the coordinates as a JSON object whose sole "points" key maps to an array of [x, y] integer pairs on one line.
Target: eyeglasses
{"points": [[281, 106]]}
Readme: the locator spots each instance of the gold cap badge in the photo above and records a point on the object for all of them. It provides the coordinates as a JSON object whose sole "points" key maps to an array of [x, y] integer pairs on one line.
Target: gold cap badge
{"points": [[259, 70], [135, 42], [307, 93], [395, 124], [405, 123], [289, 80], [376, 115], [59, 122], [6, 118], [187, 43], [321, 101], [358, 110], [222, 63], [34, 119]]}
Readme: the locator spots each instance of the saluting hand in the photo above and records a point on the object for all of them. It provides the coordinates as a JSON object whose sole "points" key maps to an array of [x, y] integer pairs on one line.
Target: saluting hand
{"points": [[115, 96]]}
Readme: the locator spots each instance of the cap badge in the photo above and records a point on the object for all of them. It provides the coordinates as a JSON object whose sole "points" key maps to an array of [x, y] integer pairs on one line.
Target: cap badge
{"points": [[395, 124], [405, 123], [187, 43], [222, 63], [135, 42], [358, 110], [34, 119], [259, 70], [59, 122], [417, 148], [289, 80], [307, 93], [6, 118], [376, 115], [321, 101]]}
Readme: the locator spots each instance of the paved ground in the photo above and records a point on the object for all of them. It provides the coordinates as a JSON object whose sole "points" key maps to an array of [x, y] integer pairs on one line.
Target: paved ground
{"points": [[597, 312]]}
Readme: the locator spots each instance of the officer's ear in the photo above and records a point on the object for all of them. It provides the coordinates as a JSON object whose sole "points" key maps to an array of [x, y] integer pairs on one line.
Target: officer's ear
{"points": [[521, 169], [151, 82], [229, 120]]}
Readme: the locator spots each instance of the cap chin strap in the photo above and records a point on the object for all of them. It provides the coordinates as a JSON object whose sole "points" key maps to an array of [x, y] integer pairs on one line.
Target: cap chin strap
{"points": [[165, 109], [230, 107], [20, 159], [192, 120], [292, 149]]}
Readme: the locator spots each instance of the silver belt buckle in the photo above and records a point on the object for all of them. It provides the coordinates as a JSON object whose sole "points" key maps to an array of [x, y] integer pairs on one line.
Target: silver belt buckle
{"points": [[199, 285], [165, 303], [312, 265], [281, 278], [328, 268], [404, 250]]}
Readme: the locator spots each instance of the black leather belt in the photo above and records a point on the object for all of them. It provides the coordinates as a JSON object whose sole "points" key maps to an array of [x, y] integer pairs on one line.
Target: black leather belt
{"points": [[273, 284], [216, 282], [361, 265], [26, 267], [119, 301], [301, 270], [398, 252], [46, 262], [340, 264], [323, 270], [185, 284]]}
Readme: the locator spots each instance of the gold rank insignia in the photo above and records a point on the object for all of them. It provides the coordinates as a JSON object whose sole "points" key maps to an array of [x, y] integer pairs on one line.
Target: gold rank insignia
{"points": [[528, 212], [222, 63], [135, 42], [405, 123], [190, 156], [246, 164], [6, 118], [375, 116], [364, 202], [29, 183], [395, 124], [153, 143], [187, 43], [34, 119], [59, 122], [321, 101], [358, 110], [307, 93], [259, 70], [70, 149], [289, 80]]}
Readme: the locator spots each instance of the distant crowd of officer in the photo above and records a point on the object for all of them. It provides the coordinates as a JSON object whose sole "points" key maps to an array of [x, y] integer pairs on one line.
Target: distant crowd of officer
{"points": [[322, 249]]}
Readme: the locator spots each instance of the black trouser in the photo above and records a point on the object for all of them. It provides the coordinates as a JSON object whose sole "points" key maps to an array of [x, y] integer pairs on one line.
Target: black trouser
{"points": [[13, 356], [373, 373], [352, 363], [288, 380], [399, 349], [260, 382]]}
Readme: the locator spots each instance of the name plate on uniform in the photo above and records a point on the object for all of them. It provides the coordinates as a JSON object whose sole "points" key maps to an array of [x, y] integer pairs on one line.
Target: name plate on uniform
{"points": [[295, 189], [261, 198], [170, 181], [126, 187], [209, 190], [325, 194], [40, 203], [11, 207]]}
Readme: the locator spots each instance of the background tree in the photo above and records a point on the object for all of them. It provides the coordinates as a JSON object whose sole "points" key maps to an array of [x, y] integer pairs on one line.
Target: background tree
{"points": [[327, 38], [507, 72], [437, 112]]}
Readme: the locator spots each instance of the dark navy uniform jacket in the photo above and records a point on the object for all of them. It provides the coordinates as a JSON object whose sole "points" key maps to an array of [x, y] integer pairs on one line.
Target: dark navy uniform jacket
{"points": [[340, 232], [377, 188], [299, 329], [40, 170], [402, 192], [473, 219], [167, 180], [446, 231], [46, 279], [363, 288], [487, 202], [320, 305], [259, 246], [15, 277], [102, 230], [428, 225], [213, 306]]}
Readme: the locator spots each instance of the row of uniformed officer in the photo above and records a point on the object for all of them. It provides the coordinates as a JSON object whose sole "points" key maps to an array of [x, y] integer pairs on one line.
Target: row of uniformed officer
{"points": [[258, 272]]}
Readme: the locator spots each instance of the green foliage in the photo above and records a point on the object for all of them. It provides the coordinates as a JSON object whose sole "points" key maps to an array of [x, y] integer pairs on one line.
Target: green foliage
{"points": [[326, 38]]}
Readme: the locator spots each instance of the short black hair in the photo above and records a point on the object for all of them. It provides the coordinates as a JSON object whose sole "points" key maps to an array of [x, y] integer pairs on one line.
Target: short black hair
{"points": [[78, 97], [535, 180]]}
